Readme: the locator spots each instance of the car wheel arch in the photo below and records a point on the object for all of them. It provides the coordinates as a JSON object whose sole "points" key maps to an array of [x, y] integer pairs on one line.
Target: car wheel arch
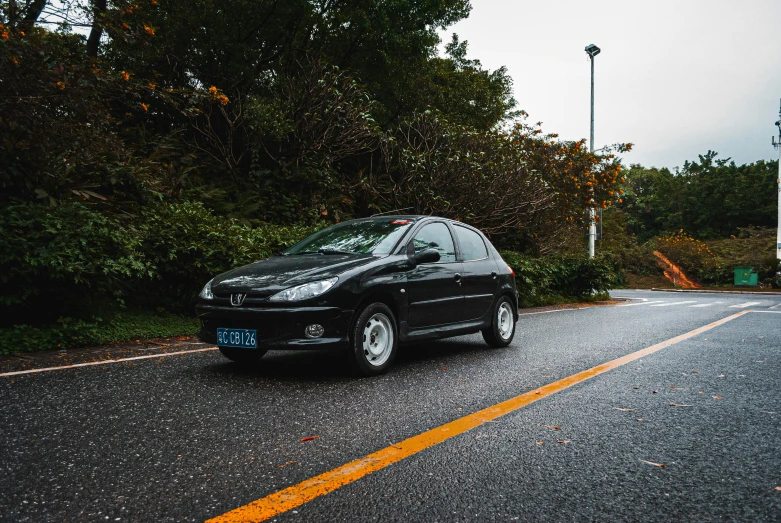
{"points": [[374, 297], [513, 299]]}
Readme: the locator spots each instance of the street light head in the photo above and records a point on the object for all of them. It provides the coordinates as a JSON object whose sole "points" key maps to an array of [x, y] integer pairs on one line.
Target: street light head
{"points": [[592, 50]]}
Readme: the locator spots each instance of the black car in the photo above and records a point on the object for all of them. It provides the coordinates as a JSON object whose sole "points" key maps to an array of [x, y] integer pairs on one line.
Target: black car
{"points": [[364, 285]]}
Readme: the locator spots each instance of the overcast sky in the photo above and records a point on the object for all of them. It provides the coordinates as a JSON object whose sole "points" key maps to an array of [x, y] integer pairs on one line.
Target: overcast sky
{"points": [[675, 78]]}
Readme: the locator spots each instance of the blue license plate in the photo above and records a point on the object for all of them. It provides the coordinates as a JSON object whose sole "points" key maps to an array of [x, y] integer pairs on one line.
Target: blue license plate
{"points": [[244, 338]]}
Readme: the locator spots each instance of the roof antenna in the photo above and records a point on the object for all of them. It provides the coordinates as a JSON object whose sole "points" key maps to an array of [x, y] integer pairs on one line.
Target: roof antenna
{"points": [[391, 212]]}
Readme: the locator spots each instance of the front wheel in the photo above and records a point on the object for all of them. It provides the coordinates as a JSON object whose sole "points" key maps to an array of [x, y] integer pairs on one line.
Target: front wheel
{"points": [[502, 329], [374, 340], [246, 356]]}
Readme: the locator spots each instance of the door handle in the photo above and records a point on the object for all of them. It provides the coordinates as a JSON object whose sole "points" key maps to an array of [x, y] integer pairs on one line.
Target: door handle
{"points": [[457, 276], [493, 274]]}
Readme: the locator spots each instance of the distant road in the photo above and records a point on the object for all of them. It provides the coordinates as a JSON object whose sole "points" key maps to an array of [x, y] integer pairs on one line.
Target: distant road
{"points": [[558, 435]]}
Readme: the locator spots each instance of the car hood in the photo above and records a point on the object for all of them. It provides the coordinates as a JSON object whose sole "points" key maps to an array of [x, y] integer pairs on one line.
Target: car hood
{"points": [[271, 275]]}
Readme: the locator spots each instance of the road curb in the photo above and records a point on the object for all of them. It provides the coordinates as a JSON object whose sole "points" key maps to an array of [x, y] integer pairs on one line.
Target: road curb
{"points": [[719, 292]]}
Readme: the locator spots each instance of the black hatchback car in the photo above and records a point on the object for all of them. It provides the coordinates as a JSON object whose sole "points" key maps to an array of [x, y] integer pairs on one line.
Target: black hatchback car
{"points": [[366, 286]]}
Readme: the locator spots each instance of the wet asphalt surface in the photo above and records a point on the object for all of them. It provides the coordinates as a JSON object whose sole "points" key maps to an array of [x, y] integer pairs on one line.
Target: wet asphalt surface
{"points": [[188, 437]]}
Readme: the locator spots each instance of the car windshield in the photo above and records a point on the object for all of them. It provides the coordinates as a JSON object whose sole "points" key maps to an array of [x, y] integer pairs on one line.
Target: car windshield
{"points": [[374, 236]]}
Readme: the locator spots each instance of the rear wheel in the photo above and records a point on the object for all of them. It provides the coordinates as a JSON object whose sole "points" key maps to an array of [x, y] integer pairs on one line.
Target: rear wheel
{"points": [[239, 355], [374, 340], [502, 329]]}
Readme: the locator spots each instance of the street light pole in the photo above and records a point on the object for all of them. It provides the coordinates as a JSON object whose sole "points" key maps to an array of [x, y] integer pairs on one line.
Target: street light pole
{"points": [[592, 51]]}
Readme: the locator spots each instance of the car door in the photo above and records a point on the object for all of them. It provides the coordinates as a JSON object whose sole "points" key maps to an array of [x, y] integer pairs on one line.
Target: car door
{"points": [[479, 275], [435, 293]]}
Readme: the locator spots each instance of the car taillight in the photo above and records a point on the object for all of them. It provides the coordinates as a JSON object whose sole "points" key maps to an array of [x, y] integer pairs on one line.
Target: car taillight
{"points": [[511, 270]]}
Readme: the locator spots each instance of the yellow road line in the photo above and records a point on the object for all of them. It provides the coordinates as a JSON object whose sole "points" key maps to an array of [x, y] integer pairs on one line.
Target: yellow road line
{"points": [[296, 495], [103, 362]]}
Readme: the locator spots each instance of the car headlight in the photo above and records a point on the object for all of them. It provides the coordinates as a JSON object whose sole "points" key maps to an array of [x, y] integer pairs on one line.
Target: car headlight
{"points": [[305, 291], [206, 292]]}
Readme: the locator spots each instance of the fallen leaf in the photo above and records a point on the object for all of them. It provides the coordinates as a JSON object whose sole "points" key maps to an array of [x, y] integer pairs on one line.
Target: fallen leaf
{"points": [[563, 441], [702, 392], [309, 438], [673, 387], [680, 405], [721, 375], [695, 372], [778, 488], [554, 427], [540, 442], [636, 388], [444, 368], [394, 446], [536, 392], [654, 464], [623, 410], [717, 397], [654, 391], [286, 464], [458, 409], [640, 419]]}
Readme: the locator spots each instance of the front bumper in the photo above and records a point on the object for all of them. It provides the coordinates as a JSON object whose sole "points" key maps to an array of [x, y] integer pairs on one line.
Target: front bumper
{"points": [[278, 328]]}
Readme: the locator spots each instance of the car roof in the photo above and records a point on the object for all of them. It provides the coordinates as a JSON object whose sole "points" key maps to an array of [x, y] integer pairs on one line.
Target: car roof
{"points": [[413, 217]]}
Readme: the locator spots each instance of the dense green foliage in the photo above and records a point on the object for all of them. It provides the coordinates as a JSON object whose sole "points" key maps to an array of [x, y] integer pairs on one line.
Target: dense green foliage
{"points": [[73, 261], [708, 199], [708, 218], [555, 278]]}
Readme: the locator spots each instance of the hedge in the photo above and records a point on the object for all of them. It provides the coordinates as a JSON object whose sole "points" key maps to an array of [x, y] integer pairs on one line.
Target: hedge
{"points": [[65, 269], [557, 278]]}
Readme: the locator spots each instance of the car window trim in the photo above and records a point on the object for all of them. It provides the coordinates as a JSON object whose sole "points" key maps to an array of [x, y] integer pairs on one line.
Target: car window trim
{"points": [[479, 235], [452, 237]]}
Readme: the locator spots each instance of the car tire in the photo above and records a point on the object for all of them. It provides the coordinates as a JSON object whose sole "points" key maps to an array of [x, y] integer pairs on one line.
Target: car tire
{"points": [[374, 340], [502, 329], [246, 356]]}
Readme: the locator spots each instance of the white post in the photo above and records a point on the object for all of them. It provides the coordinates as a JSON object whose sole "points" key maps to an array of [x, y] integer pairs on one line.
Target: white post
{"points": [[778, 231], [592, 227]]}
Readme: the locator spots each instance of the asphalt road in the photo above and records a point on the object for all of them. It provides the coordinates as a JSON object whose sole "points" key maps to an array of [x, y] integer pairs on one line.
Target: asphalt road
{"points": [[191, 437]]}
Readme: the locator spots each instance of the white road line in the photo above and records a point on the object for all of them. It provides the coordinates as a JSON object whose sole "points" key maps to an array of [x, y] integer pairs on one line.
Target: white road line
{"points": [[641, 303], [706, 304], [768, 312], [104, 362], [674, 303], [744, 305], [776, 306]]}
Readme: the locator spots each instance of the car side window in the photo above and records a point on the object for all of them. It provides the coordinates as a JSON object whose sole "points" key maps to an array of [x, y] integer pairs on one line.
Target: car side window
{"points": [[472, 245], [436, 236]]}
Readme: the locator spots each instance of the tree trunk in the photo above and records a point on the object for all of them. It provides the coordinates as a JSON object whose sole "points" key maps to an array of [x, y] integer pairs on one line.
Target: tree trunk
{"points": [[93, 42], [31, 14]]}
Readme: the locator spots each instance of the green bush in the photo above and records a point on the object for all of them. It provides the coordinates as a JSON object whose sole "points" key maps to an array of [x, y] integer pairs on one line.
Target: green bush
{"points": [[560, 278], [64, 267], [51, 258], [187, 245], [72, 332]]}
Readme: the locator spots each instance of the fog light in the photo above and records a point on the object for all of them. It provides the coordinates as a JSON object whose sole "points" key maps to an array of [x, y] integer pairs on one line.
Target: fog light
{"points": [[314, 331]]}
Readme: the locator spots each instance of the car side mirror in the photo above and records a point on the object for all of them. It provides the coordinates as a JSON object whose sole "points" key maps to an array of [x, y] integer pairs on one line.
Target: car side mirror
{"points": [[427, 256]]}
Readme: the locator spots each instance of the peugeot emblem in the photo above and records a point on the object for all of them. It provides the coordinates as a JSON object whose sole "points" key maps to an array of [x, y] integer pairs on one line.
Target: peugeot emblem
{"points": [[237, 299]]}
